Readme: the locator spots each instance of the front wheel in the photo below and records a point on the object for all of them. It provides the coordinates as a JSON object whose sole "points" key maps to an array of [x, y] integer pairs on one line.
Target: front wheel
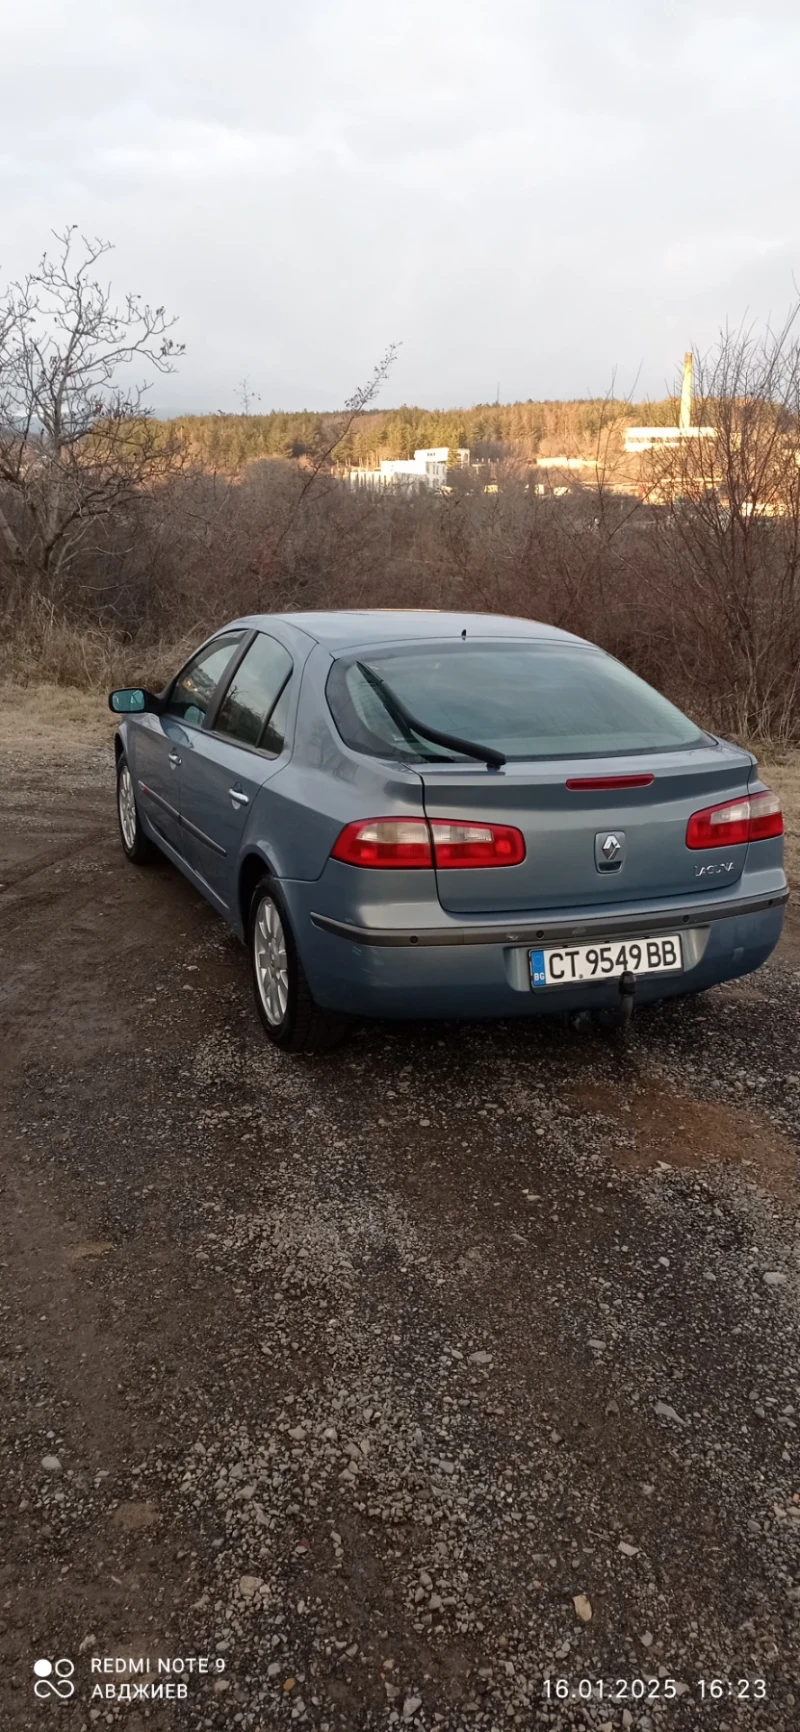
{"points": [[138, 847], [290, 1017]]}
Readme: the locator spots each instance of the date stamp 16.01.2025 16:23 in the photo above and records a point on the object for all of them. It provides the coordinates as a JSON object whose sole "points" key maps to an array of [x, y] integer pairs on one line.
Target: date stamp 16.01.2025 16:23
{"points": [[621, 1692]]}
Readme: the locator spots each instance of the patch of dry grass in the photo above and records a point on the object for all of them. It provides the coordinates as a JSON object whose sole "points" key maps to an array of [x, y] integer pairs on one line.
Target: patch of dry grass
{"points": [[49, 717], [50, 652]]}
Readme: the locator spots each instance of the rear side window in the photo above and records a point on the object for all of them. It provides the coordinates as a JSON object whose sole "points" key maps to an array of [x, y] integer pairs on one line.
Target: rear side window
{"points": [[531, 700], [249, 709], [196, 684]]}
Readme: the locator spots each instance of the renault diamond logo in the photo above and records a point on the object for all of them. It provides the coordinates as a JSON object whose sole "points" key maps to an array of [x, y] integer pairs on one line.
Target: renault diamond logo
{"points": [[609, 850]]}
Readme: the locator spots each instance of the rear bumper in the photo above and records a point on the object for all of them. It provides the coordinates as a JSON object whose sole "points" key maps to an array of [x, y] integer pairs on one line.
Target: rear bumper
{"points": [[442, 967], [547, 930]]}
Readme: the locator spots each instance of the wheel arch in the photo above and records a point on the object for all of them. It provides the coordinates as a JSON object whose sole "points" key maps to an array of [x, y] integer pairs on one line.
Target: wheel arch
{"points": [[252, 868]]}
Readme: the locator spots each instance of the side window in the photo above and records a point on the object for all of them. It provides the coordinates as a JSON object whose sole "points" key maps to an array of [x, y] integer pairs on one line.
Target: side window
{"points": [[275, 730], [196, 685], [251, 709]]}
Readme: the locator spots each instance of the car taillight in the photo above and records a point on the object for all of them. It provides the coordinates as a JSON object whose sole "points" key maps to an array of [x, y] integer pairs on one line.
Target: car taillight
{"points": [[751, 819], [476, 845], [410, 842], [385, 842]]}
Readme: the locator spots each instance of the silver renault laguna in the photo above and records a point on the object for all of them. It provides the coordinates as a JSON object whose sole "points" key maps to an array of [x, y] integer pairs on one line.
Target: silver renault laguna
{"points": [[411, 814]]}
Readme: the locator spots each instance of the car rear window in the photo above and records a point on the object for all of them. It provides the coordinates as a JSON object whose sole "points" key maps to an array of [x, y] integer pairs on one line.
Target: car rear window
{"points": [[531, 700]]}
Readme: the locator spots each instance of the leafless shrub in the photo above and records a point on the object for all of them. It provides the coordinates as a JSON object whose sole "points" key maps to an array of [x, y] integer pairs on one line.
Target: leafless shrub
{"points": [[76, 446], [694, 580], [725, 567]]}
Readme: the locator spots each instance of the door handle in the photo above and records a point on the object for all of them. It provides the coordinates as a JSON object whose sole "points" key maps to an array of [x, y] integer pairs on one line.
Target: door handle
{"points": [[174, 760], [239, 797]]}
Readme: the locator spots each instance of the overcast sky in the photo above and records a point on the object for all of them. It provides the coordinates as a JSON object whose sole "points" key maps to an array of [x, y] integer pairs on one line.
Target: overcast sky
{"points": [[525, 194]]}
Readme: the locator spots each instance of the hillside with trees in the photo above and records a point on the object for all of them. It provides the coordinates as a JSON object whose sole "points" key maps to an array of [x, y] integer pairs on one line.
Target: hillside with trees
{"points": [[124, 540], [521, 430]]}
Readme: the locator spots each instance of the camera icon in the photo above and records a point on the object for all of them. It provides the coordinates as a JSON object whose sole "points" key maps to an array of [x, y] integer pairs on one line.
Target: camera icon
{"points": [[54, 1678]]}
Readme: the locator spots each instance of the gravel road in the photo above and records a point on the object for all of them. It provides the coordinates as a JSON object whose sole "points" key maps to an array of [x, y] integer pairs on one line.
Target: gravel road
{"points": [[413, 1386]]}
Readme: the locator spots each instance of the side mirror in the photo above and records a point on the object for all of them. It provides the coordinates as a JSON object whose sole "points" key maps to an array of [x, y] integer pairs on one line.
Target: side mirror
{"points": [[131, 700]]}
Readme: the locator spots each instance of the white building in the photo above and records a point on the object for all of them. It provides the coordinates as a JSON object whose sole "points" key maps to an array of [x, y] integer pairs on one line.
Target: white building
{"points": [[427, 468], [567, 463], [666, 438]]}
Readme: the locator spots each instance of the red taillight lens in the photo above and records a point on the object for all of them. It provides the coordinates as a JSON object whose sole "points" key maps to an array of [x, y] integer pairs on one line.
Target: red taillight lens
{"points": [[751, 819], [404, 842], [766, 817], [476, 845], [385, 842]]}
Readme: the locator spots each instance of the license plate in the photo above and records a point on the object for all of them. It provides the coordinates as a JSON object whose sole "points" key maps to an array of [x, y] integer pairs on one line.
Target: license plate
{"points": [[566, 964]]}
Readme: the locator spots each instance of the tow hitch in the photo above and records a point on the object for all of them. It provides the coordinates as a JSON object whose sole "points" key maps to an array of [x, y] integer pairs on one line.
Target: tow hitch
{"points": [[607, 1018], [627, 994], [621, 1015]]}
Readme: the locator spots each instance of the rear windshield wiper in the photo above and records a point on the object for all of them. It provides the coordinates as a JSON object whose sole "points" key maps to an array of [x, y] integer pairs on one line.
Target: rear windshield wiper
{"points": [[397, 710]]}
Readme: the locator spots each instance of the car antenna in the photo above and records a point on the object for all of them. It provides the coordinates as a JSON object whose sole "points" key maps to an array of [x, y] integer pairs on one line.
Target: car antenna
{"points": [[464, 632]]}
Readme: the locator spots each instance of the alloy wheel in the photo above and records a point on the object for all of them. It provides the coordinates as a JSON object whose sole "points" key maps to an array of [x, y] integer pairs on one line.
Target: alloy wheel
{"points": [[272, 962], [127, 807]]}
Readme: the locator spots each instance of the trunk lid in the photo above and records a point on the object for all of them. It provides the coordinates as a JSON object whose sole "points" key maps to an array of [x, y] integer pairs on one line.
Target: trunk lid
{"points": [[564, 830]]}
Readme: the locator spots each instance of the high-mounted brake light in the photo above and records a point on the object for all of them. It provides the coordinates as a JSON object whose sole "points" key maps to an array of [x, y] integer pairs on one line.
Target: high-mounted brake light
{"points": [[587, 784], [751, 819], [413, 842]]}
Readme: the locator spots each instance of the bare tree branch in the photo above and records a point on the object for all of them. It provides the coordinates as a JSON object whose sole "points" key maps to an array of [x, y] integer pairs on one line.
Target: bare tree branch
{"points": [[354, 406], [75, 442]]}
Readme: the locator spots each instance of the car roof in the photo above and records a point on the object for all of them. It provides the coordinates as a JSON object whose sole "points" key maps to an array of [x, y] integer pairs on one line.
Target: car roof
{"points": [[345, 628]]}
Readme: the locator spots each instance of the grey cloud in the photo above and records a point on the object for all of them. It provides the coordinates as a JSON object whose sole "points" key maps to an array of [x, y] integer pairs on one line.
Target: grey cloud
{"points": [[527, 193]]}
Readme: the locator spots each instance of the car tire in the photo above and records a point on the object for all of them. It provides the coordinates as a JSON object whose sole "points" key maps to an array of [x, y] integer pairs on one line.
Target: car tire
{"points": [[137, 847], [289, 1015]]}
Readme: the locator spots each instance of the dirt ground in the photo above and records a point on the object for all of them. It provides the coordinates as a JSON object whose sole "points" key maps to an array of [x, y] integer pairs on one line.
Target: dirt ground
{"points": [[452, 1381]]}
